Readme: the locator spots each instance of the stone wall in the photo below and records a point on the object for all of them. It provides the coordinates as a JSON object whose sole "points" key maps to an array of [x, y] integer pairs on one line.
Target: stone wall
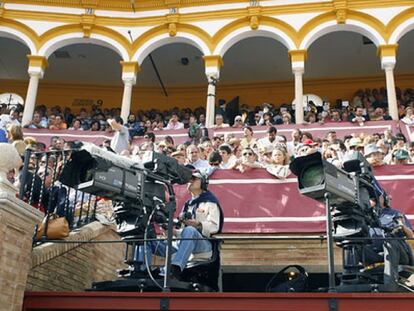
{"points": [[73, 267]]}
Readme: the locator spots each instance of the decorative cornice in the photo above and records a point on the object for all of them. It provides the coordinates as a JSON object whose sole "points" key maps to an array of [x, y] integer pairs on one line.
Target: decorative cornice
{"points": [[171, 22], [389, 50], [37, 61], [298, 55], [254, 13], [213, 61], [340, 8], [87, 23]]}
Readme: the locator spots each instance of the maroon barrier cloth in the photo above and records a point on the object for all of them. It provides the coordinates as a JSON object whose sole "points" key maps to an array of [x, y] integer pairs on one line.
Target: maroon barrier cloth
{"points": [[180, 136], [256, 202], [44, 136]]}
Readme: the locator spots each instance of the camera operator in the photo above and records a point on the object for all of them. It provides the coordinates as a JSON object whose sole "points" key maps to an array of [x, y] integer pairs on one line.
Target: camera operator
{"points": [[202, 218], [397, 251]]}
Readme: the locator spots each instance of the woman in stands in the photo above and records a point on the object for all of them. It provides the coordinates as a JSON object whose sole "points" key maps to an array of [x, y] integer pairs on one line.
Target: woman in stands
{"points": [[279, 167], [248, 161]]}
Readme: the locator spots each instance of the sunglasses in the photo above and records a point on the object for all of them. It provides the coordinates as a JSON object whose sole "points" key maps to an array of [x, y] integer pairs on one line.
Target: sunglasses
{"points": [[238, 120], [247, 153]]}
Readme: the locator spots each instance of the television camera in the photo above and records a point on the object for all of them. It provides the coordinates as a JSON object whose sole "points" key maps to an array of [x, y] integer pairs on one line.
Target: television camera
{"points": [[346, 193], [143, 195]]}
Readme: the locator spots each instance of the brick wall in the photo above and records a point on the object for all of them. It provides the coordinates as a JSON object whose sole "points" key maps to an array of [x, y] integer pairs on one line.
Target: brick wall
{"points": [[17, 222], [73, 267]]}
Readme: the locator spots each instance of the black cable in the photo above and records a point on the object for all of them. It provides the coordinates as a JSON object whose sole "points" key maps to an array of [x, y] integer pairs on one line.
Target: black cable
{"points": [[158, 75]]}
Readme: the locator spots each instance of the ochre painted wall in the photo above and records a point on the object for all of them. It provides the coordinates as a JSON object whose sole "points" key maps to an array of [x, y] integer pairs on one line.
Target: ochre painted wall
{"points": [[146, 98]]}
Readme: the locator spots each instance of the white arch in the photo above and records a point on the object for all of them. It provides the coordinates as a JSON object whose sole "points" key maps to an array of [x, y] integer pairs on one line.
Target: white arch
{"points": [[332, 26], [77, 37], [164, 39], [246, 32], [401, 30], [11, 33]]}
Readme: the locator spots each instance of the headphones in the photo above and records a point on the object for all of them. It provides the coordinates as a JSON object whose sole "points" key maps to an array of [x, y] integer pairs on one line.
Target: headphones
{"points": [[204, 182]]}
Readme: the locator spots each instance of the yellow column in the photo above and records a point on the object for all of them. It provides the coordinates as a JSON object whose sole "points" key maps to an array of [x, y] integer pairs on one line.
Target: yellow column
{"points": [[37, 66], [298, 58], [388, 54], [213, 64], [129, 77]]}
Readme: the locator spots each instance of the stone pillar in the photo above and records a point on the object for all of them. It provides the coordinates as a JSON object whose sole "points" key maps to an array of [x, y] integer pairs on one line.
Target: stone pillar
{"points": [[212, 64], [17, 223], [129, 77], [37, 66], [298, 58], [388, 55]]}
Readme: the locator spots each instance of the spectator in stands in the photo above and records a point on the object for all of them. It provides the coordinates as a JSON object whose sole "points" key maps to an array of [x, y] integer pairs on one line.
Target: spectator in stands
{"points": [[95, 126], [331, 137], [335, 116], [310, 118], [76, 125], [359, 117], [120, 141], [374, 155], [379, 114], [15, 137], [400, 156], [174, 123], [355, 144], [286, 118], [409, 116], [194, 130], [133, 126], [238, 122], [179, 156], [279, 167], [248, 141], [220, 122], [296, 140], [11, 118], [332, 155], [270, 139], [193, 158], [257, 118], [247, 161], [36, 122], [306, 148], [228, 159]]}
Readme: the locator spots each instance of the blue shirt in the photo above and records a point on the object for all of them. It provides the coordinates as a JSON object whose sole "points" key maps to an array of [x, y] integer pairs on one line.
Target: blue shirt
{"points": [[3, 137]]}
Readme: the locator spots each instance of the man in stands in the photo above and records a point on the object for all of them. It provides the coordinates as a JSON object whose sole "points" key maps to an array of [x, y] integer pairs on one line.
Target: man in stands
{"points": [[174, 123], [206, 219], [120, 141], [393, 252], [379, 115], [37, 122], [220, 122], [193, 159], [11, 118], [374, 155], [335, 116], [270, 139], [359, 116]]}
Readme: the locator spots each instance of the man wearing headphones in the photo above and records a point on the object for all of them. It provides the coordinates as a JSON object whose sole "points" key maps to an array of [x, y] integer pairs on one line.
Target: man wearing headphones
{"points": [[204, 217], [396, 252]]}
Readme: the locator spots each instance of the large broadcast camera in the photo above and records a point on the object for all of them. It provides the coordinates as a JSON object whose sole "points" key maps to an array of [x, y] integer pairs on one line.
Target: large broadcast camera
{"points": [[347, 194], [143, 195]]}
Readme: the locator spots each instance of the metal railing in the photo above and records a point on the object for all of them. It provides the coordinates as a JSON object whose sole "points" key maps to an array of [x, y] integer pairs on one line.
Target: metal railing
{"points": [[41, 188]]}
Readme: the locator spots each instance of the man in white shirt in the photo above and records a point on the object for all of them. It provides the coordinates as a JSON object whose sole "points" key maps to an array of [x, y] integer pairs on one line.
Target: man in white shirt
{"points": [[270, 140], [11, 118], [174, 123], [193, 159], [220, 122], [202, 217], [120, 141]]}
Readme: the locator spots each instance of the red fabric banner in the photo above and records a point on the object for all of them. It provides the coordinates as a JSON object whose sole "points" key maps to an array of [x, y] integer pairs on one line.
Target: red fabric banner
{"points": [[256, 202]]}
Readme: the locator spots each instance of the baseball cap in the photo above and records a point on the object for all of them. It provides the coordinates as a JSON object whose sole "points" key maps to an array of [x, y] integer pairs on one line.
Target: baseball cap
{"points": [[401, 154], [370, 149]]}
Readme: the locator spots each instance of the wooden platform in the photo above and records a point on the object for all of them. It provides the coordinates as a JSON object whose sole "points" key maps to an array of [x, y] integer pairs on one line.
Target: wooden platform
{"points": [[218, 301]]}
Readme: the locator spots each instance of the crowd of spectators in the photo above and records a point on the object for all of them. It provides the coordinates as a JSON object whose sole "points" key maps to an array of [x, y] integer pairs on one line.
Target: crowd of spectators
{"points": [[272, 152], [366, 105]]}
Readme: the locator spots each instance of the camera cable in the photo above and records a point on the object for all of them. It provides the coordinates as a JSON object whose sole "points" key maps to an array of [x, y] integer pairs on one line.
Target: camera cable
{"points": [[145, 250]]}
